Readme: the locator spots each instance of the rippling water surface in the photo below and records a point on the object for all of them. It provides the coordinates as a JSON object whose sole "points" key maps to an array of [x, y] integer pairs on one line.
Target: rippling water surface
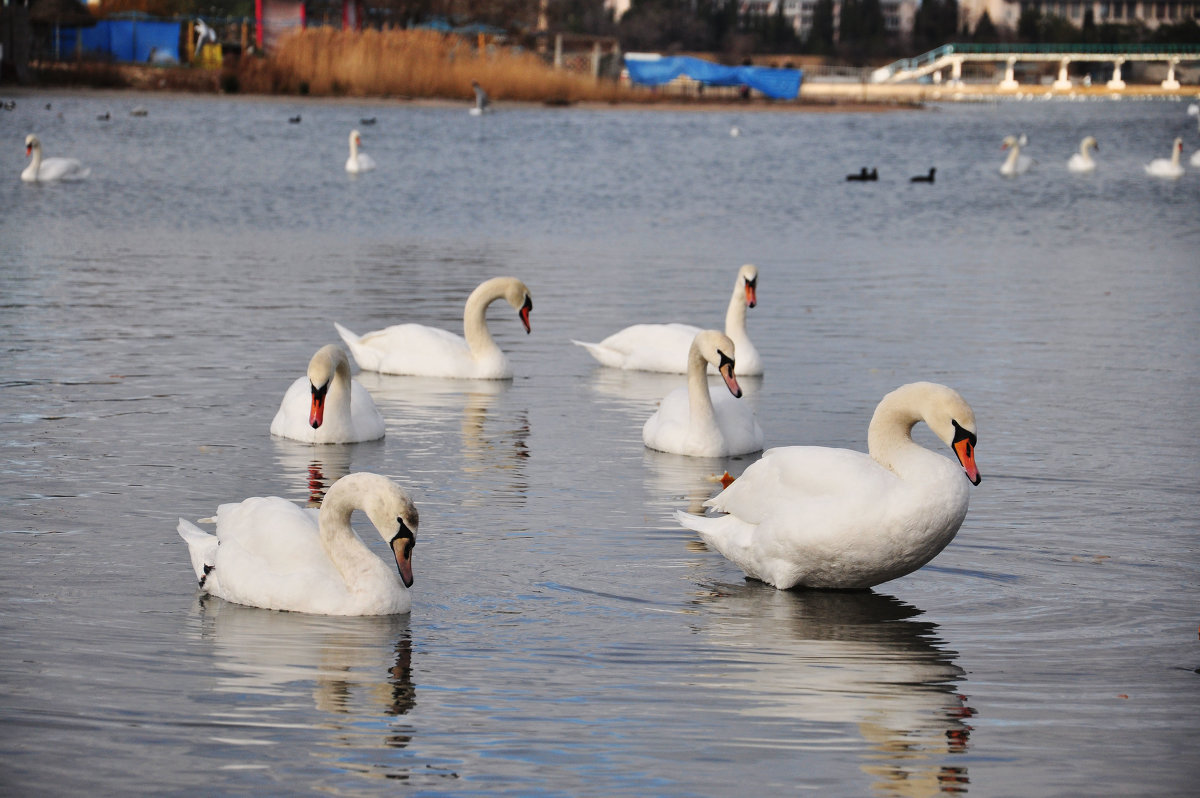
{"points": [[567, 637]]}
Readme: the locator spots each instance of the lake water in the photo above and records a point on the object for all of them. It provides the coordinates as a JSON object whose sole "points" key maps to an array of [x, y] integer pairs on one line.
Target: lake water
{"points": [[567, 636]]}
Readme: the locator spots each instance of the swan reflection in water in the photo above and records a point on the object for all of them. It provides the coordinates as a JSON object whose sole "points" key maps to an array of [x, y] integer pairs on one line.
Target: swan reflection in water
{"points": [[316, 468], [494, 442], [355, 672], [676, 481], [838, 657]]}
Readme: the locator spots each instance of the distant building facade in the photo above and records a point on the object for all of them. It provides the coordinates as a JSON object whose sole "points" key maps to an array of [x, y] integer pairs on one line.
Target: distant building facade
{"points": [[1006, 13], [898, 15]]}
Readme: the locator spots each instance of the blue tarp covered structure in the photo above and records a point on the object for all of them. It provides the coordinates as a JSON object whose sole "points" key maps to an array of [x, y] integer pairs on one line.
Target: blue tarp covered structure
{"points": [[779, 84], [126, 39]]}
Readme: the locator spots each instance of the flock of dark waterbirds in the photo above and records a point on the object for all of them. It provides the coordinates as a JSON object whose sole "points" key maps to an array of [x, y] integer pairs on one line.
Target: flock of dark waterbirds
{"points": [[866, 176]]}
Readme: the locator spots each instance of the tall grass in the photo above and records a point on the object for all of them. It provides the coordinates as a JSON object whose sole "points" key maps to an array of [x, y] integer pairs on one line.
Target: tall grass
{"points": [[414, 63]]}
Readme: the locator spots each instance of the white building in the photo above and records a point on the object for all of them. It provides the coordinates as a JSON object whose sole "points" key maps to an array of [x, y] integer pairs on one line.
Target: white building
{"points": [[897, 14], [1006, 13]]}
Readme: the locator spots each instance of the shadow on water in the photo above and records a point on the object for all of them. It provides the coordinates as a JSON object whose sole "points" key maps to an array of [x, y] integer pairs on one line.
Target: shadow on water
{"points": [[861, 658]]}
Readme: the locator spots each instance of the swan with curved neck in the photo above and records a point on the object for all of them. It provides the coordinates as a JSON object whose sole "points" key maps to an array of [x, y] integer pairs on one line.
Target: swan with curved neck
{"points": [[834, 518], [326, 405], [358, 161], [1015, 163], [415, 349], [692, 421], [664, 347], [270, 553], [1169, 168], [47, 170], [1082, 161]]}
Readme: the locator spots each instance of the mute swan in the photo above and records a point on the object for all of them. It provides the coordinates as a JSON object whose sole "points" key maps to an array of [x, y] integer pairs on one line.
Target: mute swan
{"points": [[664, 347], [1167, 167], [482, 101], [326, 406], [431, 352], [270, 553], [46, 170], [1082, 160], [358, 161], [1016, 163], [835, 518], [691, 421]]}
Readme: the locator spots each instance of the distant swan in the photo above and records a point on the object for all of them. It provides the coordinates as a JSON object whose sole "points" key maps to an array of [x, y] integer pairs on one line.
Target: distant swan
{"points": [[358, 161], [326, 406], [268, 552], [1169, 168], [835, 518], [691, 421], [665, 347], [46, 170], [482, 101], [1082, 161], [431, 352], [1016, 163]]}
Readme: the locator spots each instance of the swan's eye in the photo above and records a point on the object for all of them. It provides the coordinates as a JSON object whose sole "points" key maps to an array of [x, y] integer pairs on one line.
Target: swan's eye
{"points": [[726, 360], [961, 434]]}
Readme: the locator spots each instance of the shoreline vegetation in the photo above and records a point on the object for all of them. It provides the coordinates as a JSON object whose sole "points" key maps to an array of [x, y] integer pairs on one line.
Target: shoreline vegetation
{"points": [[427, 66]]}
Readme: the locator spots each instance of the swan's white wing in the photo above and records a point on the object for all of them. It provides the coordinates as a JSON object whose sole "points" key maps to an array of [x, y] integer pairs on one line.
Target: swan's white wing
{"points": [[368, 421], [291, 420]]}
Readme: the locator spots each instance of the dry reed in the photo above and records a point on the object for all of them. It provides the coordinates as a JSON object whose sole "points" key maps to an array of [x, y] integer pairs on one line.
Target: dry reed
{"points": [[415, 63]]}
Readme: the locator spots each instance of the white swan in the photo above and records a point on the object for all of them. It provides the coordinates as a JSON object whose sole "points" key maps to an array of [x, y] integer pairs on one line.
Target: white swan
{"points": [[691, 421], [46, 170], [1082, 161], [1015, 163], [1169, 168], [326, 406], [431, 352], [270, 553], [836, 518], [358, 161], [665, 347]]}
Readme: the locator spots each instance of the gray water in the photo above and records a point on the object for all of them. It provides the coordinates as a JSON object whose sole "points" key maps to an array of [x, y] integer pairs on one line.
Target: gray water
{"points": [[567, 637]]}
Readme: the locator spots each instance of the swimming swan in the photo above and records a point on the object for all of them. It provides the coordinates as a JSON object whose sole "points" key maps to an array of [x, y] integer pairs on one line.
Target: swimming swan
{"points": [[358, 161], [834, 518], [1015, 163], [431, 352], [1082, 161], [46, 170], [1167, 167], [691, 421], [326, 406], [665, 347], [269, 552]]}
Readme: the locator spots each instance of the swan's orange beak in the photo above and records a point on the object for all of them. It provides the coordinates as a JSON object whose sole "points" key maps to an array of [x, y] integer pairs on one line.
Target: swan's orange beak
{"points": [[751, 292], [964, 448], [524, 313], [317, 413], [726, 369], [28, 150], [402, 548]]}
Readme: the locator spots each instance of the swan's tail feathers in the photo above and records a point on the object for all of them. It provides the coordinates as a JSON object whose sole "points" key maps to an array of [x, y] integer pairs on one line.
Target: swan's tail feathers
{"points": [[603, 354], [698, 523], [202, 547], [351, 338]]}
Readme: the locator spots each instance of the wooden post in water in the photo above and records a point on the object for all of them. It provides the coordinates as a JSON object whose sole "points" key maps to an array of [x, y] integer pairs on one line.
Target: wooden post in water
{"points": [[595, 60]]}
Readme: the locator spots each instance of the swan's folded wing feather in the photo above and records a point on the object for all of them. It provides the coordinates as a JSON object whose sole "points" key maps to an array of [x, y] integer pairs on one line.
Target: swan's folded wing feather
{"points": [[368, 421], [294, 409]]}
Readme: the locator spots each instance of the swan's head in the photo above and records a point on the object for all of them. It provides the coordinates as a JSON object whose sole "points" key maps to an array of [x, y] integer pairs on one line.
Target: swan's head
{"points": [[518, 296], [717, 348], [951, 419], [394, 516], [355, 139], [1177, 146], [1090, 141], [326, 364], [1009, 141], [748, 280], [31, 144]]}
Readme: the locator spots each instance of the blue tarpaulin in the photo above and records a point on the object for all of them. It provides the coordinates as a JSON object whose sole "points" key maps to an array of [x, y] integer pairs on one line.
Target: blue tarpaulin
{"points": [[780, 84], [125, 39]]}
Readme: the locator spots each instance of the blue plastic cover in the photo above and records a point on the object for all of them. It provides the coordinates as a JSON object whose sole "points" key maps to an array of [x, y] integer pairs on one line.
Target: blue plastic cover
{"points": [[125, 39], [780, 84]]}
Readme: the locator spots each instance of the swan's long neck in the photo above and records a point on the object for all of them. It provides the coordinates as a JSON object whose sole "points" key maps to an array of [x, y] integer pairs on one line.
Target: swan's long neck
{"points": [[1085, 150], [700, 404], [1176, 150], [1013, 154], [337, 400], [354, 148], [475, 328], [346, 550], [889, 437], [735, 316], [36, 163]]}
